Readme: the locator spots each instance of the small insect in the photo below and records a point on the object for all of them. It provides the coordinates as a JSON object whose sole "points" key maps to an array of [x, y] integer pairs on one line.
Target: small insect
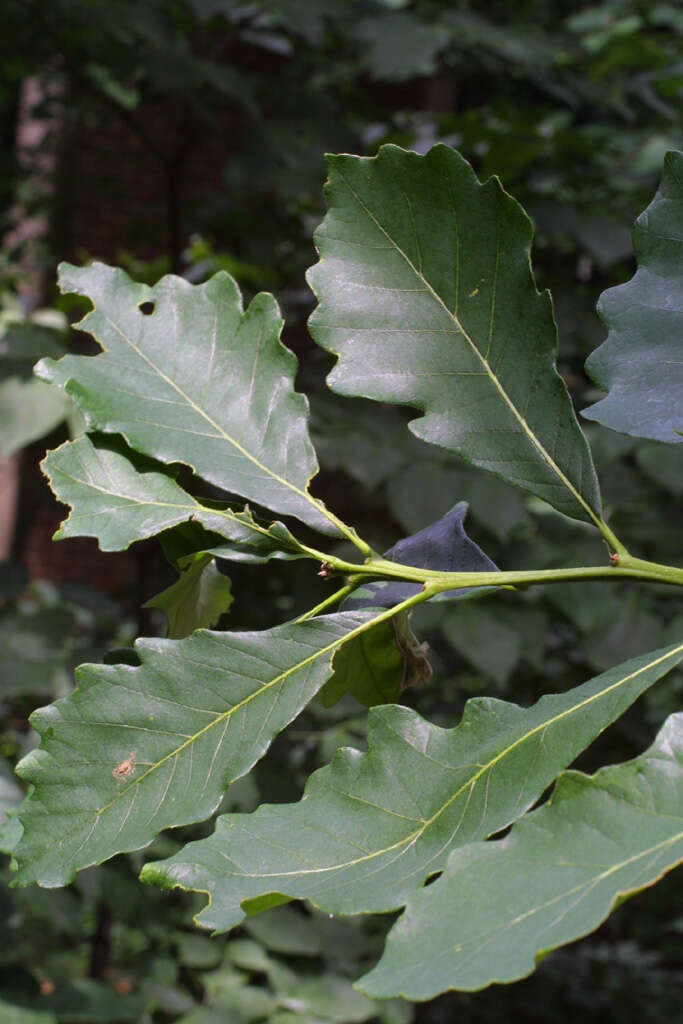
{"points": [[126, 767]]}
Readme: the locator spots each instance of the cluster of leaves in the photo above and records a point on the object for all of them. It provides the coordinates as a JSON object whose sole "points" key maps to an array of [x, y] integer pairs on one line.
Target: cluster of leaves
{"points": [[427, 300], [73, 956], [596, 103]]}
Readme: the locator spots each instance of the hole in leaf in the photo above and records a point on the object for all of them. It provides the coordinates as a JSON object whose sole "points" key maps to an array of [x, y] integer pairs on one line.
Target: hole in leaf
{"points": [[147, 308], [431, 878]]}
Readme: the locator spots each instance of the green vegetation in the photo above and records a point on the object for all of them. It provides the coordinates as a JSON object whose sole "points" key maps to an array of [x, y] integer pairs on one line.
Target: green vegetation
{"points": [[517, 775]]}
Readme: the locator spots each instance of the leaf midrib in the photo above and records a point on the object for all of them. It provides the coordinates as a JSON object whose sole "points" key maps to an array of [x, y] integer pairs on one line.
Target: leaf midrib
{"points": [[192, 507], [226, 715], [209, 419], [589, 883], [471, 782], [586, 885], [545, 455]]}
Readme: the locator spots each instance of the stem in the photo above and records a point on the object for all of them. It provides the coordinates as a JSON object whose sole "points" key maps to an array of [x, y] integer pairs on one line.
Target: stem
{"points": [[663, 573], [424, 595], [612, 540], [347, 531], [338, 595], [625, 568]]}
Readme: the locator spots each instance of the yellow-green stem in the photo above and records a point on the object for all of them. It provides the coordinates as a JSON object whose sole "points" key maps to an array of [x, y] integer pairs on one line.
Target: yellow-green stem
{"points": [[611, 538], [624, 568], [338, 595]]}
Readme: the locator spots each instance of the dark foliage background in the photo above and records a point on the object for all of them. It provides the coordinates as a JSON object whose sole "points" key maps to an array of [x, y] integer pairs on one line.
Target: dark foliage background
{"points": [[188, 136]]}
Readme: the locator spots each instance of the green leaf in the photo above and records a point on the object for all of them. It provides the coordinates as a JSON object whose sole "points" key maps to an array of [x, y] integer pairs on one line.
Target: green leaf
{"points": [[488, 643], [398, 46], [377, 665], [369, 667], [500, 907], [12, 1014], [255, 542], [427, 297], [662, 465], [29, 409], [370, 443], [135, 750], [372, 827], [10, 793], [426, 488], [120, 497], [204, 1015], [639, 364], [443, 546], [198, 951], [227, 993], [285, 931], [78, 1001], [35, 642], [187, 376], [326, 996], [11, 831], [23, 343], [198, 598], [632, 628]]}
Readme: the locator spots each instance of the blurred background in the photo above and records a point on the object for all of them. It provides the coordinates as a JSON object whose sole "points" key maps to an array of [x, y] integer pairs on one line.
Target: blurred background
{"points": [[188, 136]]}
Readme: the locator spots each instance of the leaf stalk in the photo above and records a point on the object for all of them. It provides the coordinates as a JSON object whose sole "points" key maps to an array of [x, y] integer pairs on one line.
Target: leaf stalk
{"points": [[338, 595]]}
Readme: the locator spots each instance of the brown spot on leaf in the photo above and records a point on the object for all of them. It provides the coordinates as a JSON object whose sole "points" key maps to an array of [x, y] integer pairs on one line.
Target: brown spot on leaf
{"points": [[126, 767]]}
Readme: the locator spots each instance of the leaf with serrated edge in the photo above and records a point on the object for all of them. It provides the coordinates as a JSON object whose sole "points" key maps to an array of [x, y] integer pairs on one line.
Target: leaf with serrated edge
{"points": [[640, 363], [197, 380], [372, 827], [120, 498], [427, 297], [499, 907], [135, 750]]}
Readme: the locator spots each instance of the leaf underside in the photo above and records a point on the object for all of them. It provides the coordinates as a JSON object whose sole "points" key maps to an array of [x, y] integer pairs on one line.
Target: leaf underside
{"points": [[442, 546], [426, 295], [135, 750], [372, 827], [499, 907], [640, 363], [187, 376]]}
